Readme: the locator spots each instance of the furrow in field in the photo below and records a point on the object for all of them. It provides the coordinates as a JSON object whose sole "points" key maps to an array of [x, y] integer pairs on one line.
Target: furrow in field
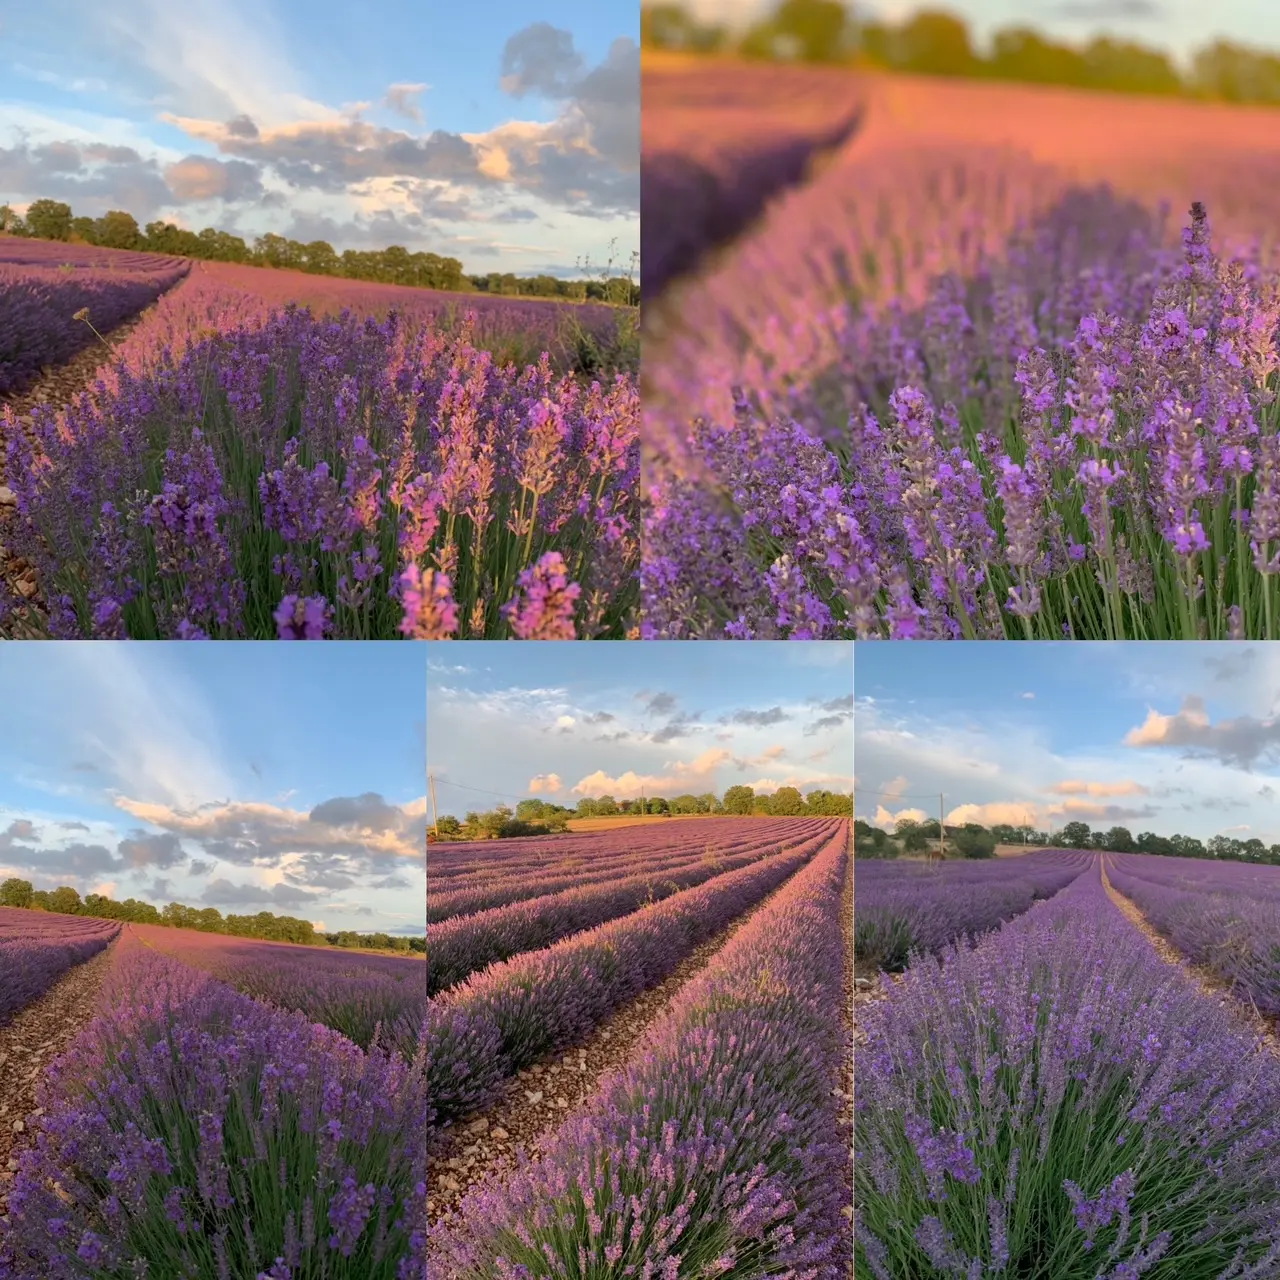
{"points": [[30, 1041], [537, 1100], [1212, 985]]}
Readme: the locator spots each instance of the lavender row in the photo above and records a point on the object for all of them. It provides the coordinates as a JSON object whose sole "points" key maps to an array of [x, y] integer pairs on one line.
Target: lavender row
{"points": [[52, 253], [42, 312], [30, 966], [468, 944], [1235, 935], [355, 995], [494, 1024], [1208, 875], [728, 1104], [912, 908], [190, 1131], [18, 922], [651, 855], [1058, 1101]]}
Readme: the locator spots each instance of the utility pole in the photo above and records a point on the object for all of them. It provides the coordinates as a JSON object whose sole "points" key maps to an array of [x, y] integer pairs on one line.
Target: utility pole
{"points": [[942, 826], [435, 817]]}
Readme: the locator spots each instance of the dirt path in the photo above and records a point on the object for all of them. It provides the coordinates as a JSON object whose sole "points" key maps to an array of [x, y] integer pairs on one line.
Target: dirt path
{"points": [[1244, 1012], [30, 1041], [539, 1100], [57, 386]]}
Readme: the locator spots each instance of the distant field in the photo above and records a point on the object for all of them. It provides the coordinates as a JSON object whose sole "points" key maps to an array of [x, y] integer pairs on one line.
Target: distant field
{"points": [[631, 820]]}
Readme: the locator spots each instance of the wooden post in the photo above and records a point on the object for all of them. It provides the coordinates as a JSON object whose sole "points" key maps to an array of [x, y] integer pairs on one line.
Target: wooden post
{"points": [[435, 817]]}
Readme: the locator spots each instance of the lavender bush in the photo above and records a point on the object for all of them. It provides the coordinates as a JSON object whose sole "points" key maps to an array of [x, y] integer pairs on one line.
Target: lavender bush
{"points": [[543, 1000], [717, 1151], [1058, 1101], [190, 1131], [906, 907], [300, 478], [1075, 436], [1228, 919]]}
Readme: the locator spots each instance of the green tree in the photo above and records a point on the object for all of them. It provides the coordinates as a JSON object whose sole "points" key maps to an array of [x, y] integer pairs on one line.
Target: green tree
{"points": [[973, 844], [15, 893], [1076, 835], [1120, 840], [65, 899], [818, 29], [739, 800], [931, 42], [49, 220], [449, 827], [787, 802], [118, 230]]}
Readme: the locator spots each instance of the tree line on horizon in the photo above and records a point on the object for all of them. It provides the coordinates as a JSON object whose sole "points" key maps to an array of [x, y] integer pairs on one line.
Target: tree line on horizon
{"points": [[117, 229], [938, 42], [65, 900], [542, 817], [913, 836]]}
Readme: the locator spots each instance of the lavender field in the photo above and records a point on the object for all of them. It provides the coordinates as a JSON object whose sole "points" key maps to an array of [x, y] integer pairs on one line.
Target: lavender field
{"points": [[35, 951], [233, 1108], [270, 455], [1005, 367], [1043, 1092], [621, 1025]]}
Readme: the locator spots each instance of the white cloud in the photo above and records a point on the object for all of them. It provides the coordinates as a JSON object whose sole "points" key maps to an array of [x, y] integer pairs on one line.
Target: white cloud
{"points": [[545, 782], [1029, 697], [887, 819]]}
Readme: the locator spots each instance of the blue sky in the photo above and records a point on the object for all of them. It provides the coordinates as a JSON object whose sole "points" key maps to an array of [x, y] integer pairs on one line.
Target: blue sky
{"points": [[505, 135], [564, 720], [1176, 25], [249, 777], [1164, 737]]}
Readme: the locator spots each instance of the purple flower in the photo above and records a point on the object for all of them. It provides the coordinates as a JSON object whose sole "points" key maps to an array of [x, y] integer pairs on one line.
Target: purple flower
{"points": [[303, 618]]}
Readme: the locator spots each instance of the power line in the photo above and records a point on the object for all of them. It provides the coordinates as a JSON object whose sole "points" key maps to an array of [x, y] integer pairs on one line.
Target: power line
{"points": [[484, 791]]}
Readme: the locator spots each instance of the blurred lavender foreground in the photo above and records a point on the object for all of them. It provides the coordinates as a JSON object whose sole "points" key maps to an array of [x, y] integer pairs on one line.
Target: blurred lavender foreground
{"points": [[951, 390]]}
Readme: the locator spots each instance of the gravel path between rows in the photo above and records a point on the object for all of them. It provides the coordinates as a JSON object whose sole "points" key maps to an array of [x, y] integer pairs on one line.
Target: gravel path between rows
{"points": [[540, 1099], [1263, 1029], [29, 1042], [58, 386]]}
